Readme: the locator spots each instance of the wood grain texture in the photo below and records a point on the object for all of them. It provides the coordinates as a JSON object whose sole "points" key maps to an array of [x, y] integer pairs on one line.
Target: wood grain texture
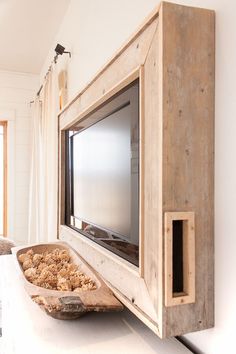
{"points": [[115, 270], [86, 114], [136, 310], [188, 147], [141, 169], [188, 294], [142, 28], [69, 304], [125, 63], [126, 67], [173, 56], [152, 172]]}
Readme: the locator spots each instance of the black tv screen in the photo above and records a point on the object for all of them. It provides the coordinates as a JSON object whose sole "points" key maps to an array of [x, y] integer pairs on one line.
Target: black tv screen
{"points": [[104, 175]]}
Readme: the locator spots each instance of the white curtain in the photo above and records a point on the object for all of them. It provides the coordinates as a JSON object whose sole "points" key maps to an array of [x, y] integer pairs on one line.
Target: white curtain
{"points": [[43, 192]]}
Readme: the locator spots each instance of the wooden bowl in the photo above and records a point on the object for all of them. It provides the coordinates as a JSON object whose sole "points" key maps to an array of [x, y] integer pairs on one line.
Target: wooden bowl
{"points": [[69, 304]]}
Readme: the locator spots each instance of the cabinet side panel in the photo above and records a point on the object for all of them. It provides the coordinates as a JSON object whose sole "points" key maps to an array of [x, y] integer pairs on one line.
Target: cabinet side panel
{"points": [[152, 183], [188, 148]]}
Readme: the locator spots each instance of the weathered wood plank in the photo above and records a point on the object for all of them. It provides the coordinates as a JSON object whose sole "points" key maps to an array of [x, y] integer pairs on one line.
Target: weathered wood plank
{"points": [[117, 271], [126, 62], [152, 172], [147, 21], [188, 147]]}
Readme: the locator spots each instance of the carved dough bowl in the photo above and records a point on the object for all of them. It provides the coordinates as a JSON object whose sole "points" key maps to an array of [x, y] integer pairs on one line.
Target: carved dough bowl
{"points": [[67, 305]]}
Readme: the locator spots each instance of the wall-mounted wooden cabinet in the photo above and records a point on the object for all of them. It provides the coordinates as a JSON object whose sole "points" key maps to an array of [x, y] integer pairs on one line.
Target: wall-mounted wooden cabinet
{"points": [[171, 59]]}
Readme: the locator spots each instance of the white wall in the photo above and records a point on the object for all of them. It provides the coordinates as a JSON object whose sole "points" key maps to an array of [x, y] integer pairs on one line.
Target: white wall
{"points": [[93, 30], [16, 91]]}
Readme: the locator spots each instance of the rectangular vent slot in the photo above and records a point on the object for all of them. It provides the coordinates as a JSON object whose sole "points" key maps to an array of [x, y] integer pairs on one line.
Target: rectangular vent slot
{"points": [[177, 245], [179, 258]]}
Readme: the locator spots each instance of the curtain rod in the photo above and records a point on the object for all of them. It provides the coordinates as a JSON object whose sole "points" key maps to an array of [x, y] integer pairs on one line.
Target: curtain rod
{"points": [[60, 50]]}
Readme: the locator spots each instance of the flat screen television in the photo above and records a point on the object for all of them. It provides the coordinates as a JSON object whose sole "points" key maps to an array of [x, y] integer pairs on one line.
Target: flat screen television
{"points": [[103, 175]]}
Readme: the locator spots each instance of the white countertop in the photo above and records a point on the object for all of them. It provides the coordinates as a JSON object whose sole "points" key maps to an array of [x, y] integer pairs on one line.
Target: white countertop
{"points": [[28, 330]]}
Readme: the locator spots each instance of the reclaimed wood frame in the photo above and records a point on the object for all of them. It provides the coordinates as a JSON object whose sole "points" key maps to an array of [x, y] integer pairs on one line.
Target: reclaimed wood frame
{"points": [[172, 54]]}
